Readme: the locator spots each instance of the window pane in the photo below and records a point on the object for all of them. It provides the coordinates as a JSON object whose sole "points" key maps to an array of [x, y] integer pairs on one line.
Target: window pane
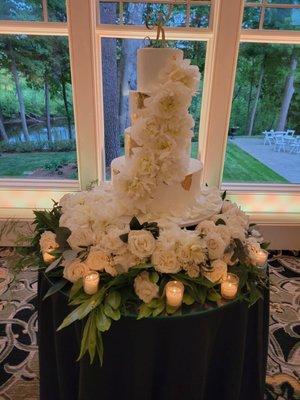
{"points": [[22, 10], [110, 13], [37, 138], [284, 1], [119, 78], [251, 18], [282, 18], [199, 16], [57, 10], [264, 135]]}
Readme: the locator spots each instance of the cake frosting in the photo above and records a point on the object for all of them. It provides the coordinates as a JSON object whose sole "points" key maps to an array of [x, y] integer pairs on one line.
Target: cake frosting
{"points": [[157, 177]]}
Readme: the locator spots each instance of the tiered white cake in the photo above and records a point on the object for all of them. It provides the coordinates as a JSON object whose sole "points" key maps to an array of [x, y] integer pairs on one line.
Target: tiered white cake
{"points": [[156, 176]]}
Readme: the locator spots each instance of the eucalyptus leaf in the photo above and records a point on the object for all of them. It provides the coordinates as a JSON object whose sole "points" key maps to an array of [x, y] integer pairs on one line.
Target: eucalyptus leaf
{"points": [[188, 299], [114, 299], [53, 265], [55, 288], [103, 323]]}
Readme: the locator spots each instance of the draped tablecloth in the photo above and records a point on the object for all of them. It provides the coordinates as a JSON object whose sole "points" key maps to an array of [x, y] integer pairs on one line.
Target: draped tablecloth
{"points": [[218, 354]]}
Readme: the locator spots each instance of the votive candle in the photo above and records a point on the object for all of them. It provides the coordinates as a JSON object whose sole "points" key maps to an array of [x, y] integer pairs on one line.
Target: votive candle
{"points": [[261, 257], [91, 283], [229, 286], [174, 293]]}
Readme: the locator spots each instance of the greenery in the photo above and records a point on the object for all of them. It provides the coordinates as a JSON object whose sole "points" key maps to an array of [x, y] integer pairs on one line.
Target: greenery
{"points": [[241, 167], [15, 165], [30, 147]]}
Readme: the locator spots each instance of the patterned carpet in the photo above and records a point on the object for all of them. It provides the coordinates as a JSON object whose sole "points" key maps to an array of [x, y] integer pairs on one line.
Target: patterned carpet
{"points": [[19, 372]]}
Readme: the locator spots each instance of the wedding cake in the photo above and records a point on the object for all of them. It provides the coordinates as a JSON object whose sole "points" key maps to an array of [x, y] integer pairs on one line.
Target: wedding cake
{"points": [[157, 177]]}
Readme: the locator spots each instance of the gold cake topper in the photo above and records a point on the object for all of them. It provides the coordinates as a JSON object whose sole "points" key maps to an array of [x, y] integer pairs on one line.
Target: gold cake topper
{"points": [[159, 23]]}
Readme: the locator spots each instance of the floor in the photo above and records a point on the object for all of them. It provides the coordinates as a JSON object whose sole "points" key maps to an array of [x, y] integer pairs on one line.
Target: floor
{"points": [[19, 372], [284, 163]]}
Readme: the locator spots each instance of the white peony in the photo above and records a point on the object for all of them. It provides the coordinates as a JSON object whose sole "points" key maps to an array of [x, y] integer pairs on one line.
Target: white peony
{"points": [[165, 260], [124, 261], [97, 260], [191, 249], [181, 71], [75, 270], [146, 130], [236, 231], [217, 272], [81, 237], [215, 245], [192, 269], [144, 288], [110, 240], [141, 243], [205, 227], [224, 232], [143, 163]]}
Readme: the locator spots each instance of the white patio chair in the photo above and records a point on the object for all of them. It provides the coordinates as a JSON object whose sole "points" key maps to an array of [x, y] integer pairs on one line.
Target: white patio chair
{"points": [[289, 132], [279, 143], [295, 145], [269, 138]]}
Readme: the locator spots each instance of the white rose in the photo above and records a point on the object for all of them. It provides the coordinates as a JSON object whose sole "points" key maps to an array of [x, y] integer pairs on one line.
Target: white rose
{"points": [[191, 248], [205, 227], [97, 260], [48, 241], [217, 272], [165, 260], [253, 248], [75, 270], [124, 261], [237, 232], [215, 245], [81, 237], [141, 243], [111, 241], [144, 288]]}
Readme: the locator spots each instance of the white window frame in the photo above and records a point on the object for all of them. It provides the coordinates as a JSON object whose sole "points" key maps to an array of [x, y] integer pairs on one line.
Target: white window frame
{"points": [[276, 204]]}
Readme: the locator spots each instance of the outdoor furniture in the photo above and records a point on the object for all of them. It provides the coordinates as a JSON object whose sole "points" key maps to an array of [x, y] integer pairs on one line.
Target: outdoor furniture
{"points": [[289, 133], [295, 145], [280, 143], [269, 138]]}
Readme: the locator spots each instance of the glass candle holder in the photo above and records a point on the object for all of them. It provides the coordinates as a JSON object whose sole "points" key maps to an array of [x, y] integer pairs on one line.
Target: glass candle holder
{"points": [[229, 286], [261, 258], [174, 293], [91, 283]]}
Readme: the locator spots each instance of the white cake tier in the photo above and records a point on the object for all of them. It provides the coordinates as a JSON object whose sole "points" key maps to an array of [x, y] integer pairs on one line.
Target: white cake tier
{"points": [[173, 198], [150, 62]]}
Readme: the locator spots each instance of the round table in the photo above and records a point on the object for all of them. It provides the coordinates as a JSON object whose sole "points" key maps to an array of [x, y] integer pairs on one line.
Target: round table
{"points": [[213, 354]]}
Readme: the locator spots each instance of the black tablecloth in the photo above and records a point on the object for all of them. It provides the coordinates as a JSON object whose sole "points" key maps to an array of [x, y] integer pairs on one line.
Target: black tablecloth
{"points": [[216, 355]]}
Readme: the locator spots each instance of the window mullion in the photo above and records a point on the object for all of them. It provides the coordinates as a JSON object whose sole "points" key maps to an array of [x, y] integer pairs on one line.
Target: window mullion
{"points": [[82, 21], [222, 52]]}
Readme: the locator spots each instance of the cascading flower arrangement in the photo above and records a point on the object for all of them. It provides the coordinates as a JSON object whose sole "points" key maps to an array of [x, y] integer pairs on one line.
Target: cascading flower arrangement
{"points": [[134, 261]]}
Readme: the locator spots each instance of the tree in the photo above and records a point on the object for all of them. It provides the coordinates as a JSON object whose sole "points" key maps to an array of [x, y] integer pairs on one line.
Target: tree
{"points": [[3, 134]]}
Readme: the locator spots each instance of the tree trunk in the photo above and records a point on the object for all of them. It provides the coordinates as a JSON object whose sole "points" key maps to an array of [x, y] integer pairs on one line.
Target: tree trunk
{"points": [[287, 94], [47, 110], [110, 87], [20, 96], [128, 66], [255, 104], [64, 90], [250, 95], [3, 134]]}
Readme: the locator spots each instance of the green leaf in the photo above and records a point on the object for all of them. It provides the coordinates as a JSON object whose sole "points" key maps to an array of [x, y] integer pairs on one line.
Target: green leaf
{"points": [[213, 296], [83, 310], [99, 347], [111, 313], [114, 300], [220, 221], [224, 195], [85, 338], [241, 251], [160, 307], [188, 299], [265, 245], [53, 265], [75, 288], [153, 303], [144, 311], [92, 338], [154, 277], [56, 287], [62, 235], [103, 323], [170, 309], [135, 224], [202, 292]]}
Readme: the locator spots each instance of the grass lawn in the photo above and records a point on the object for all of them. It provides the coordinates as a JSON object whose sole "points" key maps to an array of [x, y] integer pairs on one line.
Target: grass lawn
{"points": [[239, 165], [242, 167], [15, 164]]}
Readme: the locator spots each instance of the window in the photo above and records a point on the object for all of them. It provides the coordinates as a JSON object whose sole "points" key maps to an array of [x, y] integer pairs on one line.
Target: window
{"points": [[248, 57]]}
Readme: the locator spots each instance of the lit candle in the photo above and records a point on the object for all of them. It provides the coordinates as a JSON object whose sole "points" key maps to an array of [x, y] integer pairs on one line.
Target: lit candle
{"points": [[261, 257], [229, 286], [174, 293], [91, 282]]}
